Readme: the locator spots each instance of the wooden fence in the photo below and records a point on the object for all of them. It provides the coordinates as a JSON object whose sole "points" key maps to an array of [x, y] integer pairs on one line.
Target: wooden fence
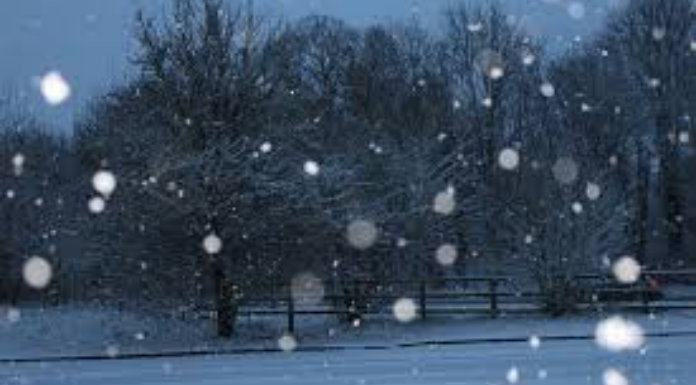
{"points": [[487, 295]]}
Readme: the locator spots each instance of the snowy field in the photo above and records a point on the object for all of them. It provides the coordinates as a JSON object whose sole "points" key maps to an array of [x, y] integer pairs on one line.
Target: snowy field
{"points": [[664, 361], [78, 331], [524, 350]]}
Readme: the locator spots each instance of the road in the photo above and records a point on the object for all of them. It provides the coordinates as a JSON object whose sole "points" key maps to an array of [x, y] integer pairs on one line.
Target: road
{"points": [[665, 360]]}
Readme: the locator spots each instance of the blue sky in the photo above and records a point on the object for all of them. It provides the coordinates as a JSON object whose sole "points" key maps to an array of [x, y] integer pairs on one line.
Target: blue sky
{"points": [[89, 41]]}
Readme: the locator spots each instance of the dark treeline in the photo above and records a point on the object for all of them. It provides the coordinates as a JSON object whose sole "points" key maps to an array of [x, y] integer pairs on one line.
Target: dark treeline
{"points": [[282, 139]]}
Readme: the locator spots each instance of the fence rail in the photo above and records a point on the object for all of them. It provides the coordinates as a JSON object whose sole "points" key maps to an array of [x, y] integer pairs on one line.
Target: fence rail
{"points": [[490, 295]]}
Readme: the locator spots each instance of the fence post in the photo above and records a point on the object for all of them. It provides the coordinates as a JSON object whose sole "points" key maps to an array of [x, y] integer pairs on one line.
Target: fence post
{"points": [[493, 291], [291, 314], [423, 310]]}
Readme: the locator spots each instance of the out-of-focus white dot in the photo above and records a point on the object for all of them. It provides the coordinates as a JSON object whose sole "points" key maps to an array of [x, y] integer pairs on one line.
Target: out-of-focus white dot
{"points": [[593, 191], [37, 272], [446, 255], [362, 234], [18, 164], [547, 89], [496, 72], [139, 336], [528, 239], [444, 202], [513, 375], [96, 205], [104, 182], [54, 88], [287, 343], [577, 208], [18, 160], [475, 27], [307, 289], [266, 147], [565, 170], [617, 334], [405, 310], [613, 376], [10, 194], [534, 342], [311, 168], [626, 270], [10, 314], [167, 368], [542, 374], [659, 33], [112, 351], [509, 159], [576, 10], [684, 137], [401, 242], [528, 58], [487, 102], [212, 244]]}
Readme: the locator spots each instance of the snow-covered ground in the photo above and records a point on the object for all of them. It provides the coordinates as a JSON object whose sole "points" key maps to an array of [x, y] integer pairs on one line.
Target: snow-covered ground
{"points": [[73, 331], [665, 360]]}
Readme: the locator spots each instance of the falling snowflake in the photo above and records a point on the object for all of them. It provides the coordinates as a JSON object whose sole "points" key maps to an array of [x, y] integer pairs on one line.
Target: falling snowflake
{"points": [[362, 234], [565, 170], [576, 10], [401, 242], [287, 342], [18, 164], [547, 89], [534, 342], [104, 182], [684, 137], [528, 58], [446, 255], [37, 272], [96, 205], [617, 334], [509, 159], [405, 310], [307, 289], [496, 73], [542, 374], [11, 314], [54, 88], [513, 375], [212, 244], [577, 208], [626, 270], [528, 239], [266, 147], [444, 202], [659, 33], [112, 351], [311, 168], [593, 191], [475, 27], [613, 376]]}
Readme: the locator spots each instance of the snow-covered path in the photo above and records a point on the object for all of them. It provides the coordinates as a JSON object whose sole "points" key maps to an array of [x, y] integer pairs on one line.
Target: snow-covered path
{"points": [[666, 360]]}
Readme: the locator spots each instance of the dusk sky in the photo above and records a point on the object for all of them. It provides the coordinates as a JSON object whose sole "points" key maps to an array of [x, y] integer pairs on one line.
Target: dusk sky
{"points": [[89, 42]]}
